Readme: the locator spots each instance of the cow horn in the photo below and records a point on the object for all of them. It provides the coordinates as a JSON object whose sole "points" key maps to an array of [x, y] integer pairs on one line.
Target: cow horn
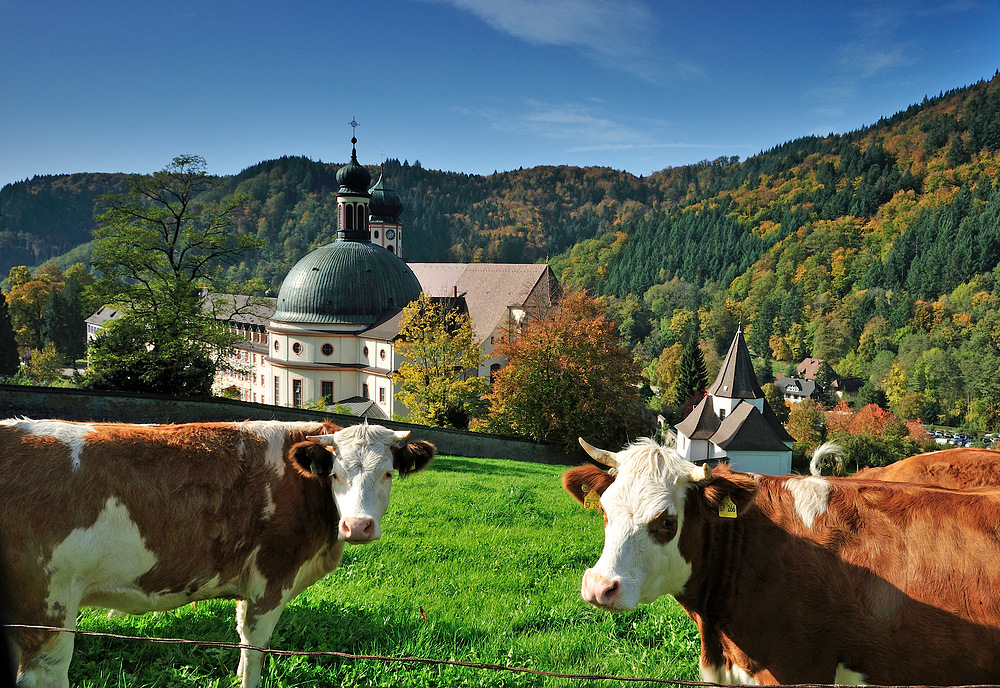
{"points": [[700, 474], [322, 439], [601, 456], [400, 437]]}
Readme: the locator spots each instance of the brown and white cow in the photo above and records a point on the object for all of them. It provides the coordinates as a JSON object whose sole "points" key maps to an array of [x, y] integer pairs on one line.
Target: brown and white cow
{"points": [[144, 518], [802, 579], [959, 468]]}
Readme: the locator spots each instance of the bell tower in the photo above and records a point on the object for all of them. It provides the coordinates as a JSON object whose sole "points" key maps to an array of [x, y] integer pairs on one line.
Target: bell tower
{"points": [[353, 197], [386, 207]]}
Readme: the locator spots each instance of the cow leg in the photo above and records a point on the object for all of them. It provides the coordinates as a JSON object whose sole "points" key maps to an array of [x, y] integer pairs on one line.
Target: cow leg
{"points": [[44, 657], [255, 627]]}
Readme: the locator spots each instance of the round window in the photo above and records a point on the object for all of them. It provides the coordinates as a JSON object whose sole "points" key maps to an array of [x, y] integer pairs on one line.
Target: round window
{"points": [[366, 352], [327, 349], [276, 345], [381, 354], [297, 348]]}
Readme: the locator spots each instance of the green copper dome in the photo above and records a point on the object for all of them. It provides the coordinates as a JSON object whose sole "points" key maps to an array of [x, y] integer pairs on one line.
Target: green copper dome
{"points": [[345, 283], [385, 205]]}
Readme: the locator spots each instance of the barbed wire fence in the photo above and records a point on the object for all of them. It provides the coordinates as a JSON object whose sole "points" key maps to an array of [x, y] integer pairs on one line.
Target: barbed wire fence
{"points": [[425, 660]]}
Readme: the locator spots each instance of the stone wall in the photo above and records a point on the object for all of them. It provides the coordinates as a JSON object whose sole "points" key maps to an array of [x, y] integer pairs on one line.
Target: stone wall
{"points": [[123, 407]]}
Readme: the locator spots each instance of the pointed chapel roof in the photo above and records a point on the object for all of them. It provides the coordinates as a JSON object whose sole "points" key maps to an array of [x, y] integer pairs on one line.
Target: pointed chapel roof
{"points": [[779, 430], [746, 429], [737, 379], [701, 423]]}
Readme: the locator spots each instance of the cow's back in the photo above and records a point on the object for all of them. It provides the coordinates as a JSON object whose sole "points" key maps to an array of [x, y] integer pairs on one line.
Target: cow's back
{"points": [[951, 468]]}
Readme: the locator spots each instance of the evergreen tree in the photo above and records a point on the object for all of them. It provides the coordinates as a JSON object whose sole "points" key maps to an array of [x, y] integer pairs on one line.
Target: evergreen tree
{"points": [[692, 378], [824, 384], [776, 400], [10, 361], [63, 323]]}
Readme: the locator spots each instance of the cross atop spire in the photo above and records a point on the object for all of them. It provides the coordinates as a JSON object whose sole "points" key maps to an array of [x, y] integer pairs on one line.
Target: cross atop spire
{"points": [[354, 126]]}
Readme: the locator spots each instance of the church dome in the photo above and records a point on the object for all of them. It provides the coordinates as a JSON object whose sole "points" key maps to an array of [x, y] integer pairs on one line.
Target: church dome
{"points": [[385, 204], [354, 177], [345, 283]]}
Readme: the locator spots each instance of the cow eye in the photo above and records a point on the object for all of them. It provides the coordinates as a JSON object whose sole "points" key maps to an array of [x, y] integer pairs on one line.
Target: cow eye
{"points": [[388, 475], [334, 476], [663, 528]]}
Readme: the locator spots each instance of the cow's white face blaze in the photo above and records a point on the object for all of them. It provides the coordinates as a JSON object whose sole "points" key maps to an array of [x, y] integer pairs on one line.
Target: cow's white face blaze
{"points": [[361, 477], [644, 511]]}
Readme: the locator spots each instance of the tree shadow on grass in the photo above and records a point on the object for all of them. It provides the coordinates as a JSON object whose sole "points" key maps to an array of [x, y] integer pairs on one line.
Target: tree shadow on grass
{"points": [[459, 465]]}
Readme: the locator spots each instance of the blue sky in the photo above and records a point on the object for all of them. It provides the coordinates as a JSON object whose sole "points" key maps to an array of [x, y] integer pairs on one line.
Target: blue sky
{"points": [[463, 85]]}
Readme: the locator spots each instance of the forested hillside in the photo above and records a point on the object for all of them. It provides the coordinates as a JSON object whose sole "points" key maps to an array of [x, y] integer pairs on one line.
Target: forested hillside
{"points": [[876, 250], [44, 217]]}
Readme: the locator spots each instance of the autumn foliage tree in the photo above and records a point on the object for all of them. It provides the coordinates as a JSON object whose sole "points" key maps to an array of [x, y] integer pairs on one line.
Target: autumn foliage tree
{"points": [[438, 380], [567, 376], [871, 435]]}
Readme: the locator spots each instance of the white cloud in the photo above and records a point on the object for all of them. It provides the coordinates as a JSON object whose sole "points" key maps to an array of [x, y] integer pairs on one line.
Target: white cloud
{"points": [[585, 128], [618, 34], [871, 62]]}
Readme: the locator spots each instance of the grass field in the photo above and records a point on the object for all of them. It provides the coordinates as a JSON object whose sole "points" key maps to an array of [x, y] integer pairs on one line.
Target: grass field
{"points": [[493, 551]]}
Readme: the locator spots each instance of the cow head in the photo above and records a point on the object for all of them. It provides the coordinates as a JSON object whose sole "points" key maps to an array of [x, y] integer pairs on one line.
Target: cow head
{"points": [[360, 461], [643, 505]]}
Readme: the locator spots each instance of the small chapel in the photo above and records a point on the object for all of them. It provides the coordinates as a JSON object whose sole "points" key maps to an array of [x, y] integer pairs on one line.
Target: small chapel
{"points": [[733, 423]]}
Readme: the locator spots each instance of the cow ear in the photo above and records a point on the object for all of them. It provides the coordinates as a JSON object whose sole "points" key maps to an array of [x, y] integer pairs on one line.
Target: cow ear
{"points": [[412, 457], [584, 480], [312, 457], [730, 496]]}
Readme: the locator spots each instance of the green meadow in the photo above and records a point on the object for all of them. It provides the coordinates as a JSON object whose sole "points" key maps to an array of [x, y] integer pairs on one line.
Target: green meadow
{"points": [[480, 561]]}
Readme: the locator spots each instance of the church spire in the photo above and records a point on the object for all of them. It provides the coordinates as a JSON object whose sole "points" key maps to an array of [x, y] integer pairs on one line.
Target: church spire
{"points": [[737, 379]]}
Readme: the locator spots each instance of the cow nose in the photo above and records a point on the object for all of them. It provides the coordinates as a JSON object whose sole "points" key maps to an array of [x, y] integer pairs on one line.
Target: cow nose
{"points": [[599, 591], [358, 529]]}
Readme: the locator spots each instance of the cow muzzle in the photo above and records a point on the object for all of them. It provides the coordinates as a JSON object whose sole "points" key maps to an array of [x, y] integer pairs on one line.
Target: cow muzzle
{"points": [[359, 530], [601, 592]]}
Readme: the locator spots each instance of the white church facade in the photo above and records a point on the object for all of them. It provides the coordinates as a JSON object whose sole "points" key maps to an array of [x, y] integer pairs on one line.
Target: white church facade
{"points": [[329, 336]]}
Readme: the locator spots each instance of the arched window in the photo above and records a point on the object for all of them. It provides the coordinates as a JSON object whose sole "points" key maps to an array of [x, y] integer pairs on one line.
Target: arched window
{"points": [[493, 370], [392, 249], [348, 216]]}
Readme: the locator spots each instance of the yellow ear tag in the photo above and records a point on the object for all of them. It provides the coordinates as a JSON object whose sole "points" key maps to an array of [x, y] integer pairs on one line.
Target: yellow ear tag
{"points": [[727, 508], [592, 500]]}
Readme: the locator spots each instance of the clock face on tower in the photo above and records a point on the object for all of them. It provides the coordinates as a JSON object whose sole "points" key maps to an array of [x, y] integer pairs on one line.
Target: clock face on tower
{"points": [[390, 234]]}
